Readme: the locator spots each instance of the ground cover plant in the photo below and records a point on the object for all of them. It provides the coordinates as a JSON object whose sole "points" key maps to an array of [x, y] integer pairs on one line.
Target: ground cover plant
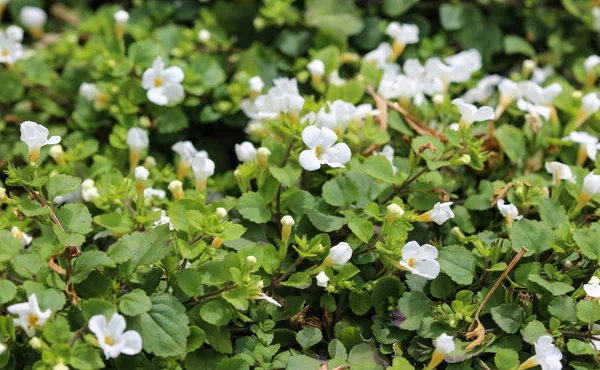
{"points": [[281, 184]]}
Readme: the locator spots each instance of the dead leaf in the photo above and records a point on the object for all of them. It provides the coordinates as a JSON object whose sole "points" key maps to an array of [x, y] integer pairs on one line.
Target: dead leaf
{"points": [[477, 331], [54, 266]]}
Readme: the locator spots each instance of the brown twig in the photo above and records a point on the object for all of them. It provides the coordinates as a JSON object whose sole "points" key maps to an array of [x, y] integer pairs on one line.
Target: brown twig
{"points": [[404, 185], [277, 283], [210, 294], [77, 334]]}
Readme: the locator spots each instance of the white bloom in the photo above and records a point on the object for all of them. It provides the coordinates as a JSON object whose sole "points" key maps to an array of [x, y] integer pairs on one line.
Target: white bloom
{"points": [[470, 113], [403, 33], [164, 219], [508, 210], [510, 90], [222, 213], [483, 91], [542, 95], [388, 153], [591, 184], [441, 212], [245, 152], [287, 220], [89, 192], [467, 62], [454, 126], [537, 110], [265, 297], [30, 317], [339, 254], [335, 79], [11, 49], [540, 75], [445, 344], [365, 110], [587, 141], [185, 149], [380, 55], [591, 62], [316, 67], [590, 103], [282, 98], [36, 136], [150, 193], [112, 337], [420, 260], [33, 17], [546, 354], [256, 84], [339, 116], [559, 171], [322, 279], [203, 168], [23, 238], [141, 173], [322, 149], [137, 139], [121, 16], [89, 91], [163, 84], [592, 288], [204, 35], [14, 33]]}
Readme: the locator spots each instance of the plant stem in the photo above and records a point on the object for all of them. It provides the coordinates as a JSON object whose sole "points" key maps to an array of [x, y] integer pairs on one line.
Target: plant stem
{"points": [[77, 334], [277, 283]]}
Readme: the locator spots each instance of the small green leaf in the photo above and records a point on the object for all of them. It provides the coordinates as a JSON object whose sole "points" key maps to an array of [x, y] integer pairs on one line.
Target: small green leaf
{"points": [[359, 302], [394, 8], [216, 312], [563, 308], [134, 303], [336, 349], [588, 241], [252, 207], [506, 359], [557, 288], [379, 167], [533, 235], [509, 317], [512, 142], [325, 222], [458, 263], [142, 248], [9, 246], [588, 311], [415, 306], [533, 331], [287, 175], [88, 261], [516, 45], [61, 185], [308, 337], [362, 228], [75, 218], [340, 192]]}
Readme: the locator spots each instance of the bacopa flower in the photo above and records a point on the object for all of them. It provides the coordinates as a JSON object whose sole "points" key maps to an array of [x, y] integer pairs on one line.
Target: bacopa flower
{"points": [[89, 191], [335, 79], [322, 149], [440, 213], [509, 211], [592, 288], [470, 113], [112, 337], [559, 171], [163, 84], [203, 168], [403, 34], [420, 260], [284, 97], [339, 117], [256, 86], [591, 187], [542, 95], [339, 254], [483, 91], [245, 152], [444, 345], [137, 140], [388, 153], [34, 19], [380, 55], [540, 75], [204, 36], [588, 145], [30, 316], [365, 110], [316, 69], [322, 279], [547, 356], [590, 103], [164, 220], [36, 136], [536, 110], [11, 49], [263, 296], [187, 152], [23, 238]]}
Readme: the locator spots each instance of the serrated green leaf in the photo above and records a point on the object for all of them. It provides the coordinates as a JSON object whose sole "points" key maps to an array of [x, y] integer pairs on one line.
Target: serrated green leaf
{"points": [[252, 207]]}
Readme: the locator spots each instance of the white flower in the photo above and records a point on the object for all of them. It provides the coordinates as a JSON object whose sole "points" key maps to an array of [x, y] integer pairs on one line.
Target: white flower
{"points": [[540, 75], [163, 84], [60, 366], [542, 95], [546, 354], [137, 139], [164, 219], [185, 149], [316, 67], [403, 33], [537, 110], [141, 173], [508, 210], [112, 337], [89, 91], [256, 84], [445, 344], [470, 113], [587, 141], [441, 212], [591, 62], [71, 197], [335, 79], [14, 33], [323, 149], [33, 17], [339, 255], [590, 103], [150, 193], [11, 49], [282, 98], [483, 91], [222, 213], [322, 279], [121, 16], [36, 136], [245, 152], [559, 171], [380, 55], [23, 238], [388, 153], [510, 89], [420, 260], [204, 35], [591, 184], [89, 192], [30, 317], [464, 63], [592, 288], [265, 297], [203, 168], [454, 126], [365, 110], [339, 116]]}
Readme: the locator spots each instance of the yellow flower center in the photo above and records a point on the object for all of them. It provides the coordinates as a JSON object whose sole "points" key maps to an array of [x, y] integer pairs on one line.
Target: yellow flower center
{"points": [[5, 52], [32, 320], [411, 262], [158, 81], [318, 151], [18, 234], [108, 340]]}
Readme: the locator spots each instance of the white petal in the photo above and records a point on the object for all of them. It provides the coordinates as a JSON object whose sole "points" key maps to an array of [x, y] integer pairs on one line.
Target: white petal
{"points": [[157, 97], [428, 252], [311, 136], [98, 324], [309, 161], [427, 269], [484, 114], [173, 75], [132, 342]]}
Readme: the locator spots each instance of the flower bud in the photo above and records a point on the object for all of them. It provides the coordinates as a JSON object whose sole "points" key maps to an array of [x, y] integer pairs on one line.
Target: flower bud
{"points": [[394, 211], [338, 255], [145, 122], [465, 159], [260, 285], [176, 188], [57, 153], [35, 343], [217, 242], [438, 99], [528, 66], [221, 213], [141, 174], [204, 36], [149, 162], [263, 155], [250, 262], [286, 228], [3, 197], [322, 279], [259, 23], [576, 94]]}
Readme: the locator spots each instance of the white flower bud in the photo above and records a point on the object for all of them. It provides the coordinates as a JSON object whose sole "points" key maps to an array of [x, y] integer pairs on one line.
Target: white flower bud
{"points": [[576, 94], [176, 188], [286, 228], [438, 99], [287, 221], [141, 173], [3, 197], [339, 255], [121, 17], [33, 17], [263, 155], [35, 343], [150, 162], [316, 67], [204, 35], [221, 213], [250, 262], [395, 210], [322, 279], [56, 151]]}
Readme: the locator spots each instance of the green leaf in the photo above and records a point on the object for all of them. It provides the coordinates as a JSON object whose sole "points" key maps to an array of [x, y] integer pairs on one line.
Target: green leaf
{"points": [[352, 92], [506, 359], [360, 302], [88, 261], [362, 228], [85, 357], [142, 248], [8, 290], [563, 308], [164, 329], [237, 297], [533, 331], [533, 235], [338, 16], [340, 192], [172, 120], [325, 222], [336, 349], [394, 8], [252, 207], [75, 218], [553, 213], [196, 339], [509, 317], [588, 241], [580, 348], [303, 362], [512, 142], [514, 44], [92, 307], [557, 288], [9, 246], [451, 16], [458, 263], [308, 337], [12, 87], [134, 303], [216, 312], [61, 184], [415, 306], [588, 311], [379, 168], [287, 175], [118, 223]]}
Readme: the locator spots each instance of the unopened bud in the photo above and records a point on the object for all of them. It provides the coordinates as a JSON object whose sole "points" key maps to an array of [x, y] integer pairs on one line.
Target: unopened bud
{"points": [[221, 213], [394, 212], [576, 94], [149, 162], [457, 233], [57, 153], [3, 197], [145, 122], [528, 66], [176, 188], [259, 23], [286, 228], [263, 157], [260, 285], [35, 343], [217, 242], [438, 99], [250, 262], [464, 159]]}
